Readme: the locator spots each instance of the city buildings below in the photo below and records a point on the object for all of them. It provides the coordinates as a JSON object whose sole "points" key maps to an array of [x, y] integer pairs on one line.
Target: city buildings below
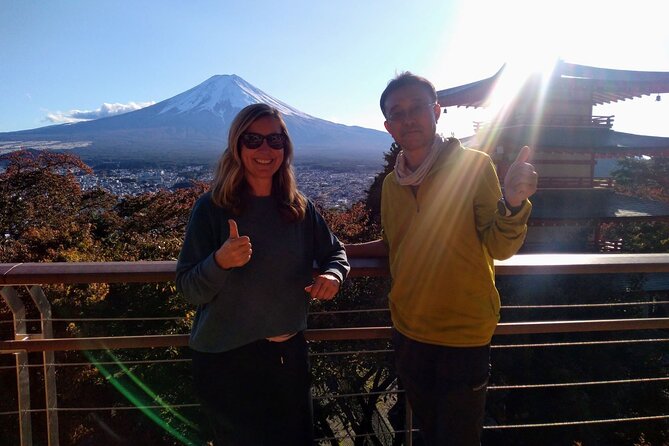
{"points": [[331, 189]]}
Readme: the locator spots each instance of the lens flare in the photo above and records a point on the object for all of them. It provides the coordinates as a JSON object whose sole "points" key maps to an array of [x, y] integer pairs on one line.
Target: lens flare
{"points": [[135, 397], [518, 99]]}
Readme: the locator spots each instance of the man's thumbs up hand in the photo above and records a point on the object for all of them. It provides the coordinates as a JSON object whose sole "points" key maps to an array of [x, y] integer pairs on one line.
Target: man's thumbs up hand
{"points": [[520, 181], [236, 251]]}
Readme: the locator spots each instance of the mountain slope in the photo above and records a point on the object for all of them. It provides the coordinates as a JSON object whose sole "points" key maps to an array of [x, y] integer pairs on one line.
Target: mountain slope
{"points": [[192, 127]]}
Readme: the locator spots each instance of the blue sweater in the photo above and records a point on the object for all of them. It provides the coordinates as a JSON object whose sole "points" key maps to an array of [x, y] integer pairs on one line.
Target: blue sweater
{"points": [[264, 297]]}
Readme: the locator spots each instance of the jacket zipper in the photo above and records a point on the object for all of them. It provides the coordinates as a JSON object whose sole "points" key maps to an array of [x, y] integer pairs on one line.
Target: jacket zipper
{"points": [[414, 193]]}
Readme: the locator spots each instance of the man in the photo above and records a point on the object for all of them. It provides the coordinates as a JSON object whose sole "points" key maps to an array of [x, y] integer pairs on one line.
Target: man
{"points": [[444, 220]]}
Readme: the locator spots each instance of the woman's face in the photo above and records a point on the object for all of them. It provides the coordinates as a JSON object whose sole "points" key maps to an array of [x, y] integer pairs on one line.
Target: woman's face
{"points": [[262, 163]]}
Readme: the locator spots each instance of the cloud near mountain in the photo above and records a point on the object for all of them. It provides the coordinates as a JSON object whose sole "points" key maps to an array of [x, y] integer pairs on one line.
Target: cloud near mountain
{"points": [[192, 127], [106, 110]]}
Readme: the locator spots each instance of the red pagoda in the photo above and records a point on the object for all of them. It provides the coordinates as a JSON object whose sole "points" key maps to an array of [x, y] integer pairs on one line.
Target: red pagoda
{"points": [[555, 117]]}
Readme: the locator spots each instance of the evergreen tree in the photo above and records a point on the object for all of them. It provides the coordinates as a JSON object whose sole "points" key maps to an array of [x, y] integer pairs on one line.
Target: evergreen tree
{"points": [[373, 201]]}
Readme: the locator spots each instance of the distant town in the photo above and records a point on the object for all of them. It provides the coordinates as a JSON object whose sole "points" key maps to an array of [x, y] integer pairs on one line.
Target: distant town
{"points": [[329, 188]]}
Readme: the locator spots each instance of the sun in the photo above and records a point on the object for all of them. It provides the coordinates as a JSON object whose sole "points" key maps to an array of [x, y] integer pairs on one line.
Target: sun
{"points": [[515, 76]]}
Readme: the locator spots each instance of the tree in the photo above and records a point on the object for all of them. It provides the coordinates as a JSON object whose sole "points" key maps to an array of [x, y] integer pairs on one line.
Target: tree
{"points": [[648, 179], [46, 216], [40, 200], [373, 201]]}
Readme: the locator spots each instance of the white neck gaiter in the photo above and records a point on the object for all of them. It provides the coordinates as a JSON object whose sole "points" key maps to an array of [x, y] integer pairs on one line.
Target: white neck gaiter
{"points": [[405, 176]]}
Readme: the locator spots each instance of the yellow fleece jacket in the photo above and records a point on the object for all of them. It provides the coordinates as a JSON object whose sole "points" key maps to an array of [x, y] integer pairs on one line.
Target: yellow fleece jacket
{"points": [[442, 238]]}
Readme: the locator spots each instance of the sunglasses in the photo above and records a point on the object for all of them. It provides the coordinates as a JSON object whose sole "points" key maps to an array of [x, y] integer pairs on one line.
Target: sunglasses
{"points": [[277, 141]]}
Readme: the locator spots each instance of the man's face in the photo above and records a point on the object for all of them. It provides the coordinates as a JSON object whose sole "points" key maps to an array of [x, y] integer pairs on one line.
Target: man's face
{"points": [[411, 117]]}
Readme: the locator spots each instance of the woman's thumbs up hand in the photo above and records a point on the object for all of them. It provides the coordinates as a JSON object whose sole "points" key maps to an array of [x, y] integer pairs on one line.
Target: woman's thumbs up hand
{"points": [[236, 251]]}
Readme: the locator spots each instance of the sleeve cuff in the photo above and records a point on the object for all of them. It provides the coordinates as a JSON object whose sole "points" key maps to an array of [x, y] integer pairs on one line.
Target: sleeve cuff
{"points": [[336, 274], [211, 271]]}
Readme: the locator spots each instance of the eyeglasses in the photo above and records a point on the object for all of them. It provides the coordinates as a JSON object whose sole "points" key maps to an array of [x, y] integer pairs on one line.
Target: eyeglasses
{"points": [[277, 141], [413, 112]]}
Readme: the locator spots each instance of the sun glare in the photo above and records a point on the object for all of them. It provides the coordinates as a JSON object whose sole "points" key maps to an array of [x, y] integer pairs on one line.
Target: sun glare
{"points": [[528, 38], [514, 77]]}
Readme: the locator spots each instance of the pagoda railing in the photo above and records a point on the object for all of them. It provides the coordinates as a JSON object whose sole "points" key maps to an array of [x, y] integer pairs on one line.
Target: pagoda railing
{"points": [[560, 120]]}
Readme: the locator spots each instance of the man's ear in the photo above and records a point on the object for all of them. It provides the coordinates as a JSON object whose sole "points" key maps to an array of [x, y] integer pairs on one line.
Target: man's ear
{"points": [[387, 126], [437, 112]]}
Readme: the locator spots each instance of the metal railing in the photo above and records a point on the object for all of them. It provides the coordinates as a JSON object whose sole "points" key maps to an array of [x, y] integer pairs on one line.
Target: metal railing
{"points": [[575, 183], [33, 275]]}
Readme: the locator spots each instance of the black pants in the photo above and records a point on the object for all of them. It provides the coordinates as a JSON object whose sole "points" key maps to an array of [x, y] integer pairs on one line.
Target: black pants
{"points": [[446, 387], [258, 394]]}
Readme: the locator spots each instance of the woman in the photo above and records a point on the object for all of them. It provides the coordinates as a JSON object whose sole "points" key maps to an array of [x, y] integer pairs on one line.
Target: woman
{"points": [[247, 263]]}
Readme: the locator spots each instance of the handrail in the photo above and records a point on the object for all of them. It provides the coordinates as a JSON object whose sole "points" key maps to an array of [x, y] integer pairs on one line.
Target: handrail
{"points": [[29, 344], [148, 271], [162, 271]]}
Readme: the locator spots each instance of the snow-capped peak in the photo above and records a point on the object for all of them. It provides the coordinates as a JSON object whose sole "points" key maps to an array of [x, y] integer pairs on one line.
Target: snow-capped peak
{"points": [[221, 92]]}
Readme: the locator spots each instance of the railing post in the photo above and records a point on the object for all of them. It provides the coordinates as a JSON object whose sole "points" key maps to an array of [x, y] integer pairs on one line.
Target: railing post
{"points": [[22, 372], [408, 424], [44, 308]]}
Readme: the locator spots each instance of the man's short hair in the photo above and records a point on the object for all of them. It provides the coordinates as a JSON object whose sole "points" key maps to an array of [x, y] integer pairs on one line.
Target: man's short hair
{"points": [[402, 80]]}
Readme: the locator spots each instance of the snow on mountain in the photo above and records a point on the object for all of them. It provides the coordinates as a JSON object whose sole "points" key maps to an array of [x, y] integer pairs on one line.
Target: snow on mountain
{"points": [[212, 94]]}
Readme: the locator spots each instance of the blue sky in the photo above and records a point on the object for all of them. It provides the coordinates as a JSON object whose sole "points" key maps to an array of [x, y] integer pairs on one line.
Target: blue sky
{"points": [[328, 59]]}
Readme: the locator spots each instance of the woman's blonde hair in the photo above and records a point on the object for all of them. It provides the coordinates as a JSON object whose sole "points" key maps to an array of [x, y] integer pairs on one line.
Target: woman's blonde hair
{"points": [[229, 186]]}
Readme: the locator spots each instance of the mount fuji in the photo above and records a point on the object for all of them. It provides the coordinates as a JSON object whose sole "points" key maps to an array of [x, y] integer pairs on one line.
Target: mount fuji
{"points": [[192, 127]]}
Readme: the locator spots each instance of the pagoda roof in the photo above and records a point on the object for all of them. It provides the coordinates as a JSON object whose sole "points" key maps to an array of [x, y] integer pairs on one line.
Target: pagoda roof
{"points": [[608, 85], [474, 94], [601, 141]]}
